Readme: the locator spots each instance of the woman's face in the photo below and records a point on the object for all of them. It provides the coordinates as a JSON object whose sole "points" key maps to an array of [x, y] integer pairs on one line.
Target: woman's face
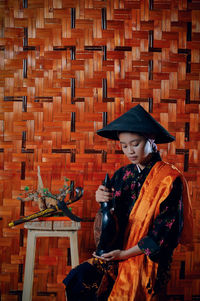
{"points": [[135, 147]]}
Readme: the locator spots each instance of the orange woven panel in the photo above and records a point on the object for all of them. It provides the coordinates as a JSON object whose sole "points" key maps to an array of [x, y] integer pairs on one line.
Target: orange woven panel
{"points": [[67, 68]]}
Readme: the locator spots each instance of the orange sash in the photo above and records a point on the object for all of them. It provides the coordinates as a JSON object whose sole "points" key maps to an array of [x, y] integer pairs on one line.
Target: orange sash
{"points": [[135, 272]]}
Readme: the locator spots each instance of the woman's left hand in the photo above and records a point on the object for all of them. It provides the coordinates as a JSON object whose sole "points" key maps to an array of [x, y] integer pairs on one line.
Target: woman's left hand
{"points": [[120, 254], [113, 255]]}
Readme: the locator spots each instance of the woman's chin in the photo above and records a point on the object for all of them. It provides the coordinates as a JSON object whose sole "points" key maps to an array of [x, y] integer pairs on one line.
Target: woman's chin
{"points": [[134, 161]]}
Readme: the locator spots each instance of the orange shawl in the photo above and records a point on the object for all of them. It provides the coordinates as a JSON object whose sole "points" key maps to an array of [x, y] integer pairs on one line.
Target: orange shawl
{"points": [[135, 272]]}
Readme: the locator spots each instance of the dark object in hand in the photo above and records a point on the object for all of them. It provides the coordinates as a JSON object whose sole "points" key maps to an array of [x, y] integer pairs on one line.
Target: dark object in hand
{"points": [[106, 222]]}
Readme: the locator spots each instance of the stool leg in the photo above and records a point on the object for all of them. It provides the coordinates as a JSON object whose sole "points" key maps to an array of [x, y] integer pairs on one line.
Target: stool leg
{"points": [[29, 266], [74, 248]]}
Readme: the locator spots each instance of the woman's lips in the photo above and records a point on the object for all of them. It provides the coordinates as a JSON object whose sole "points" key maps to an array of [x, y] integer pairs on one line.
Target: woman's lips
{"points": [[133, 158]]}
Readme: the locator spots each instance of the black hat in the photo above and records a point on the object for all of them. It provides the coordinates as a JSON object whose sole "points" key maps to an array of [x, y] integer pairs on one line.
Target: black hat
{"points": [[136, 120]]}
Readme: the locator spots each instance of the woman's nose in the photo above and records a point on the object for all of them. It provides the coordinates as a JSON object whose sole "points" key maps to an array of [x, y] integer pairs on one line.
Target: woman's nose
{"points": [[130, 149]]}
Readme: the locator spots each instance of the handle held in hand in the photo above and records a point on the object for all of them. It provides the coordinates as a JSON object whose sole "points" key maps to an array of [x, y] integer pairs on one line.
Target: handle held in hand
{"points": [[109, 224]]}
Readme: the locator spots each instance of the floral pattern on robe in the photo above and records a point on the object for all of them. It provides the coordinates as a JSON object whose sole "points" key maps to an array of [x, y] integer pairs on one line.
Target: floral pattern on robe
{"points": [[163, 235], [93, 280]]}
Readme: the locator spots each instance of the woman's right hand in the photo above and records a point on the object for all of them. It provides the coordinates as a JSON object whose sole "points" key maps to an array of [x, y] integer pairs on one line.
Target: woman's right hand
{"points": [[103, 194]]}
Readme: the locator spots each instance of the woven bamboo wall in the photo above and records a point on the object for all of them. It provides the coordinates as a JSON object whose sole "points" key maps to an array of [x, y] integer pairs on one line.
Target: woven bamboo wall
{"points": [[67, 68]]}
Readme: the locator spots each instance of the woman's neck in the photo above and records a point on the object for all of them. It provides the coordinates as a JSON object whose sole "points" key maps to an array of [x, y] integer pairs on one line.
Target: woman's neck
{"points": [[151, 157], [140, 167]]}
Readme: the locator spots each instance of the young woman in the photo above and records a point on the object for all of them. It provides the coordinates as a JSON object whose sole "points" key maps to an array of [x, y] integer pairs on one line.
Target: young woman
{"points": [[152, 205]]}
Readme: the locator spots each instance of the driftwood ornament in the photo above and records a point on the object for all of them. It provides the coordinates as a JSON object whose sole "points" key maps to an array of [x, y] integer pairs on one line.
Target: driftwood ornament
{"points": [[49, 203], [43, 197]]}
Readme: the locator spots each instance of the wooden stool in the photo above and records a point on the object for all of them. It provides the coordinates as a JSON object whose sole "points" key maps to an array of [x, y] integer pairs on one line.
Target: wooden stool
{"points": [[47, 229]]}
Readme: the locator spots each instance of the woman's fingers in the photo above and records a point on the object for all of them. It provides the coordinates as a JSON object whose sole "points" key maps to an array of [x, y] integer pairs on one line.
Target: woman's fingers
{"points": [[110, 256], [103, 195], [99, 257], [103, 188], [113, 255]]}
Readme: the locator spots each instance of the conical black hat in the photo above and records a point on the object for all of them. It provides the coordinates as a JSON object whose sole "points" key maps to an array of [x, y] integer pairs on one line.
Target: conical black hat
{"points": [[136, 120]]}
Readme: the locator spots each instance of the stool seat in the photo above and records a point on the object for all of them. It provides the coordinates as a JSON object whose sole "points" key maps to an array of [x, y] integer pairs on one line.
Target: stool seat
{"points": [[63, 228]]}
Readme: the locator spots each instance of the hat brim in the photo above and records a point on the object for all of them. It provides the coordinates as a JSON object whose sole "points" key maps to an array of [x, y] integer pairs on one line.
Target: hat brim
{"points": [[136, 120]]}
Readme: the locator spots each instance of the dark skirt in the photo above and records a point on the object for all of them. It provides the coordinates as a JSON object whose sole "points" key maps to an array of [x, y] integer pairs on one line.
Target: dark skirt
{"points": [[90, 281]]}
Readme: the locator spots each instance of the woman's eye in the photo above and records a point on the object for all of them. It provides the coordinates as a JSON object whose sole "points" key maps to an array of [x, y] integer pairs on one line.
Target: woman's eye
{"points": [[124, 146], [135, 145]]}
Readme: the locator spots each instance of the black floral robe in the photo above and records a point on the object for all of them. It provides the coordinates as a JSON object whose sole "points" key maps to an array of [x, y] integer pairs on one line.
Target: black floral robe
{"points": [[93, 280]]}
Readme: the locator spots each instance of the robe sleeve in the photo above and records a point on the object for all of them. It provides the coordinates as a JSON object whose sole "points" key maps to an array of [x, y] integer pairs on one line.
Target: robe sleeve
{"points": [[166, 229]]}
